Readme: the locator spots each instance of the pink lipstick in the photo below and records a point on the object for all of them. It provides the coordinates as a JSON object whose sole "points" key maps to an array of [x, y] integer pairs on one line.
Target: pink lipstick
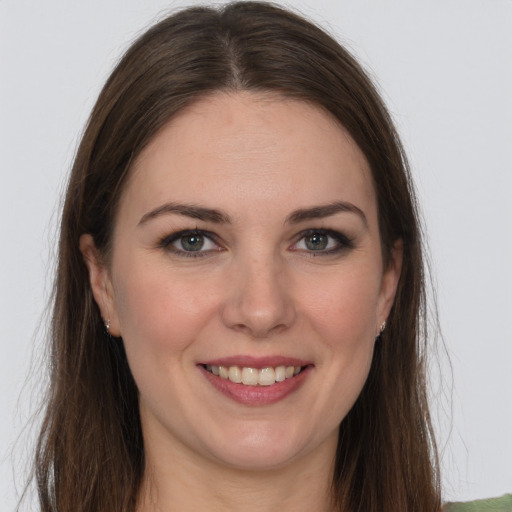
{"points": [[255, 380]]}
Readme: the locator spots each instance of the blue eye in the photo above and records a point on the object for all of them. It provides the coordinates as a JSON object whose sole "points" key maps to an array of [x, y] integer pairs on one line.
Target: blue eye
{"points": [[189, 242], [322, 241]]}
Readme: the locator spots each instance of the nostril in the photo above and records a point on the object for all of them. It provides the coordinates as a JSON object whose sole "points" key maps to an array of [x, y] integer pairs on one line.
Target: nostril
{"points": [[262, 332]]}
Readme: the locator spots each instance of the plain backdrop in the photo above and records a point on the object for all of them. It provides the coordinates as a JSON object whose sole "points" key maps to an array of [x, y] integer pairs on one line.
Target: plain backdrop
{"points": [[445, 70]]}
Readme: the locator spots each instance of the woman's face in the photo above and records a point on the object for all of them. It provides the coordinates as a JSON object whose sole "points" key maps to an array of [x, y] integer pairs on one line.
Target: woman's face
{"points": [[246, 246]]}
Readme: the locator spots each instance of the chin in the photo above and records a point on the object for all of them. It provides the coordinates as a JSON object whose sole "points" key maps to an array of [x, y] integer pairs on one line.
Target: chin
{"points": [[265, 448], [257, 459]]}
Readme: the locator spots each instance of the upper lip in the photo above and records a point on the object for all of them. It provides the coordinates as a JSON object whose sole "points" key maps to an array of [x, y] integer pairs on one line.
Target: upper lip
{"points": [[256, 362]]}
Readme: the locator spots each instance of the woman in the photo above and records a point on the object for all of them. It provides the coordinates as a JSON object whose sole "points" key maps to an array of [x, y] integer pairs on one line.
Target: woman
{"points": [[241, 223]]}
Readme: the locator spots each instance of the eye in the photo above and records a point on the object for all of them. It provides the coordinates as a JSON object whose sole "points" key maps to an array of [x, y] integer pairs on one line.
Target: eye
{"points": [[189, 242], [318, 242], [322, 241]]}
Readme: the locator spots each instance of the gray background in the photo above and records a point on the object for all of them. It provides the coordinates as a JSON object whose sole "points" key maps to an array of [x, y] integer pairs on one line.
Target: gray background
{"points": [[445, 70]]}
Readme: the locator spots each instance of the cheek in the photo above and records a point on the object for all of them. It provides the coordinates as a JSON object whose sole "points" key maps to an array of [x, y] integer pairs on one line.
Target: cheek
{"points": [[344, 305], [152, 313], [161, 312], [158, 325], [344, 319]]}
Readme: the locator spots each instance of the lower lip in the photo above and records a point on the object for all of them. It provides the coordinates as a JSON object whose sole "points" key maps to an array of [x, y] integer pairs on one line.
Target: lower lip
{"points": [[257, 395]]}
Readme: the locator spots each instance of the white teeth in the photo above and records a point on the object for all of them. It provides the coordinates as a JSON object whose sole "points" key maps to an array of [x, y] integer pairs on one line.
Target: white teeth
{"points": [[254, 377], [280, 373], [234, 374], [250, 376], [267, 377]]}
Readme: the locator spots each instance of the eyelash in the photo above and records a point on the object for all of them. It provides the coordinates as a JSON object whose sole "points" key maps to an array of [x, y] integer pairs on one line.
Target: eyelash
{"points": [[342, 242], [168, 241]]}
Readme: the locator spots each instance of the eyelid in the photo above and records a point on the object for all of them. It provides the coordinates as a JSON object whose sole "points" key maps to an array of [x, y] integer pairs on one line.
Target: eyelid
{"points": [[167, 241], [343, 242]]}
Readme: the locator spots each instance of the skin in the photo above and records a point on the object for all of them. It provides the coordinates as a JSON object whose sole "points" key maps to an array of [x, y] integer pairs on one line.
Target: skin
{"points": [[256, 289]]}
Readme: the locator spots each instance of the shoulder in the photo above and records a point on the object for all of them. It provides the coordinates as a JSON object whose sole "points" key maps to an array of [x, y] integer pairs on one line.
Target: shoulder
{"points": [[503, 504]]}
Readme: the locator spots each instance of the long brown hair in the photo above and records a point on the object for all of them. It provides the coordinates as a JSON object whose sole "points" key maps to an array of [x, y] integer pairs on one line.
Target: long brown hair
{"points": [[90, 455]]}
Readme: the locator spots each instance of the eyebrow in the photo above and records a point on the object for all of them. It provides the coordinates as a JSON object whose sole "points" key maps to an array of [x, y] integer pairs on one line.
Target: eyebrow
{"points": [[187, 210], [220, 217], [319, 212]]}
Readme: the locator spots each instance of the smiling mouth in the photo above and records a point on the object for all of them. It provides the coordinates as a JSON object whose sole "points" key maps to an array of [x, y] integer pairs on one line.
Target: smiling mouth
{"points": [[254, 376]]}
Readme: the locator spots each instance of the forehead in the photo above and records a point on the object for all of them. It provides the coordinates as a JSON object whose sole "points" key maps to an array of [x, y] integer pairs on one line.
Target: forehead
{"points": [[234, 149]]}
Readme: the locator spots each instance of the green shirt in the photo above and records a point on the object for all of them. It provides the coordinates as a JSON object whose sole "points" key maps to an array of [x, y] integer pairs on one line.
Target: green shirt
{"points": [[503, 504]]}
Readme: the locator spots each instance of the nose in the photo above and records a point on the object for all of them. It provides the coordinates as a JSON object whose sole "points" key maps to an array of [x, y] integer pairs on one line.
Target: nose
{"points": [[259, 301]]}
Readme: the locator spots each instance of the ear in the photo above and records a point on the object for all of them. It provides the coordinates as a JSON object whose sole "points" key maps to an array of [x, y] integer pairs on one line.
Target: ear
{"points": [[389, 283], [101, 284]]}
